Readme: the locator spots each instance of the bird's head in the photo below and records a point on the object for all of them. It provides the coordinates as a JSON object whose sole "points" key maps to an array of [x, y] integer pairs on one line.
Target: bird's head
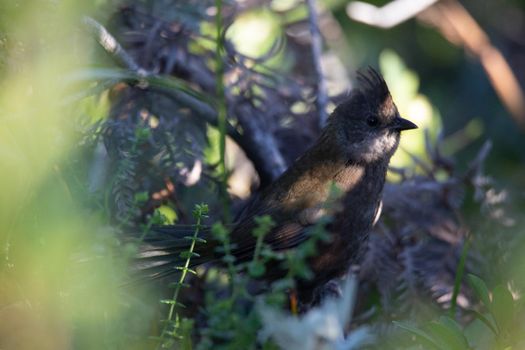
{"points": [[368, 125]]}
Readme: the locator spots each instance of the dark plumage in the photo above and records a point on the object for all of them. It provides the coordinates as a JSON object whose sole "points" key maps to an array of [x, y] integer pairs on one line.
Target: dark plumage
{"points": [[353, 151]]}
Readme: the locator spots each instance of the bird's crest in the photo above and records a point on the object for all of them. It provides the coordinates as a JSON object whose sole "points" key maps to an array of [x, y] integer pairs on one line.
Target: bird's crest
{"points": [[373, 87]]}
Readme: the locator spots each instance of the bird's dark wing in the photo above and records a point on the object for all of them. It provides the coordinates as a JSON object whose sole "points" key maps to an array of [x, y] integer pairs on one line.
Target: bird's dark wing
{"points": [[289, 231], [284, 236], [160, 252]]}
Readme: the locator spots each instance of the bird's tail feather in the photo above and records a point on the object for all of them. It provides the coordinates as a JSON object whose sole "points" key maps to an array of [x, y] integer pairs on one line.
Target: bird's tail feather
{"points": [[164, 251]]}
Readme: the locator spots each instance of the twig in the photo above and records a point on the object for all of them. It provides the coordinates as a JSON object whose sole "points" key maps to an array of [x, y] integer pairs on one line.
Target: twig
{"points": [[475, 168], [199, 213], [317, 49], [334, 38], [271, 158], [221, 111], [111, 45], [389, 15]]}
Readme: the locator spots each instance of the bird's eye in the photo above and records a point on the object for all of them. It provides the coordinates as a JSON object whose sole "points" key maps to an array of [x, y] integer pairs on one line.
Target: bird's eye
{"points": [[372, 121]]}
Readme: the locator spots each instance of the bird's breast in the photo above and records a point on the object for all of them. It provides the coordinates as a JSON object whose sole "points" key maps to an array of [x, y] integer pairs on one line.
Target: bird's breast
{"points": [[349, 178]]}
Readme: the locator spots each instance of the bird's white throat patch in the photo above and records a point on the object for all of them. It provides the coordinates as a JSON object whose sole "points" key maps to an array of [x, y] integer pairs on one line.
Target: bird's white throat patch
{"points": [[374, 148]]}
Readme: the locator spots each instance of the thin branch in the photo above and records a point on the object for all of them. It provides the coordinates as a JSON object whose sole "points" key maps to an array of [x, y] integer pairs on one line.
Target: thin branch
{"points": [[389, 15], [272, 158], [111, 45], [475, 168], [221, 110], [317, 50]]}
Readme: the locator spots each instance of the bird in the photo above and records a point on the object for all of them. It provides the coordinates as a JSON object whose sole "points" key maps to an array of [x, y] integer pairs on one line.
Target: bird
{"points": [[352, 153]]}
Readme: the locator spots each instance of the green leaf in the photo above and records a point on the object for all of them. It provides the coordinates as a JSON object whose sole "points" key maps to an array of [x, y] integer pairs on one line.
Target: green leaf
{"points": [[425, 338], [283, 284], [502, 307], [200, 210], [460, 270], [485, 320], [268, 253], [264, 225], [141, 197], [451, 324], [171, 302], [447, 338], [480, 288], [142, 134], [158, 218], [196, 239], [188, 255], [169, 214], [182, 268], [229, 259], [175, 284], [256, 269], [219, 231], [117, 74]]}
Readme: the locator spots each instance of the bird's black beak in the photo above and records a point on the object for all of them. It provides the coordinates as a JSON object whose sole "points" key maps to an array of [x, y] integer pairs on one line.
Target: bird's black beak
{"points": [[401, 124]]}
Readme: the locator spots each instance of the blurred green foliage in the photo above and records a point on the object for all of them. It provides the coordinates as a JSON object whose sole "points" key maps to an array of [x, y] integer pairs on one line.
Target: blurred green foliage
{"points": [[45, 230], [498, 327]]}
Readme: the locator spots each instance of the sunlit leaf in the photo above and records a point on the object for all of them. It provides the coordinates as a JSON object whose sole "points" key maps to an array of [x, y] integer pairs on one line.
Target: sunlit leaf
{"points": [[502, 307], [480, 288], [421, 335]]}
